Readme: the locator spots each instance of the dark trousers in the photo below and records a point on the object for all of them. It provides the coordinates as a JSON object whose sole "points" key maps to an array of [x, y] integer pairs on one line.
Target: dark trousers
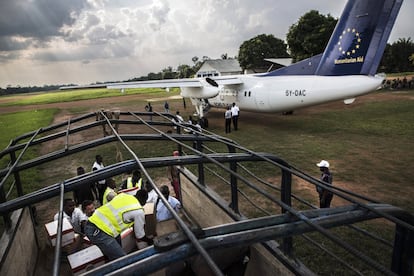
{"points": [[228, 125], [325, 199], [235, 121]]}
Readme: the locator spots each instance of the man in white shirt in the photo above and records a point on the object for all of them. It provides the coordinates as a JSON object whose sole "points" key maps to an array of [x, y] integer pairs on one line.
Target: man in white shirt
{"points": [[235, 115], [75, 215], [100, 185], [162, 212], [152, 195]]}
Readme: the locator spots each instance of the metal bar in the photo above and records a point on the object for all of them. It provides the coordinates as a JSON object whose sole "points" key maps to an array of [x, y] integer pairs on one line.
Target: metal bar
{"points": [[56, 262], [3, 198], [181, 223], [16, 175], [403, 253], [67, 136], [229, 235], [11, 169], [201, 177], [338, 259], [94, 143]]}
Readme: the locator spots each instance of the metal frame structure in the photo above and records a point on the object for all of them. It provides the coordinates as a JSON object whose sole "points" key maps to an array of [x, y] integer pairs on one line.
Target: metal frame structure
{"points": [[193, 144]]}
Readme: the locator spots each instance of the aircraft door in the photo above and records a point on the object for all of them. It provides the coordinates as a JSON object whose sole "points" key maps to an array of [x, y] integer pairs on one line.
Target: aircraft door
{"points": [[261, 100], [228, 96]]}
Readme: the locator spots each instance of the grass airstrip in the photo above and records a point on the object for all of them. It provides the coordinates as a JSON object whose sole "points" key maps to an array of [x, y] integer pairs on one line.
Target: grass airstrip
{"points": [[369, 143]]}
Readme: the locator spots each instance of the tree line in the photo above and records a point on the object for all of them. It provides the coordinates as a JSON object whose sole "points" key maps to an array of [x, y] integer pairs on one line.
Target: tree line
{"points": [[305, 38]]}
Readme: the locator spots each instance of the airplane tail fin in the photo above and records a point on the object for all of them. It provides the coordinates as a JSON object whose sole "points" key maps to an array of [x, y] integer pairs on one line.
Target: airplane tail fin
{"points": [[359, 39], [357, 43]]}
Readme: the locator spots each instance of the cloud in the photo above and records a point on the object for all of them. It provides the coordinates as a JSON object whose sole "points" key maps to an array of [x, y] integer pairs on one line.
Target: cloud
{"points": [[37, 20], [114, 40]]}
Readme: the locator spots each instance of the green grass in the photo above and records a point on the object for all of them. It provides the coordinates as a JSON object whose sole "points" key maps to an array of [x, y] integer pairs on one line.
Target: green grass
{"points": [[369, 146], [16, 124], [77, 95]]}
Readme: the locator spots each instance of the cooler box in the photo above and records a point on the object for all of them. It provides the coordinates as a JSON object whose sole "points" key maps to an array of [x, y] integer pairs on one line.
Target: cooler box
{"points": [[150, 219], [130, 191], [86, 259], [128, 240], [68, 234]]}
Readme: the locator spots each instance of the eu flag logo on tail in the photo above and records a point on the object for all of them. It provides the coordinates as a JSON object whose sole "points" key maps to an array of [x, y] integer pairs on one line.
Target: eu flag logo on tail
{"points": [[349, 43]]}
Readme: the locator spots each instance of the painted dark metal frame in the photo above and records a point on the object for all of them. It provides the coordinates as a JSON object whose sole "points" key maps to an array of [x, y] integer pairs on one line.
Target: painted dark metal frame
{"points": [[403, 254]]}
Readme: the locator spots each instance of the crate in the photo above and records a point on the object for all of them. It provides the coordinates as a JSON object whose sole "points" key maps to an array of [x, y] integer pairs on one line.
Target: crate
{"points": [[68, 234], [86, 259], [128, 240], [150, 219]]}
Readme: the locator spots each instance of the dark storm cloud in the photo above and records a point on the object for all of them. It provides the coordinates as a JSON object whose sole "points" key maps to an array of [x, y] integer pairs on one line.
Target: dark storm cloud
{"points": [[37, 19], [10, 43]]}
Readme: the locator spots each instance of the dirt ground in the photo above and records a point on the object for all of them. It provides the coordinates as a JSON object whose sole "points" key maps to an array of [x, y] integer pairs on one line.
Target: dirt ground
{"points": [[66, 111]]}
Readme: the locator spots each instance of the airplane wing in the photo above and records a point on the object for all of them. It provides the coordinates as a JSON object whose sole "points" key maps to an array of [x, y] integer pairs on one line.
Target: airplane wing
{"points": [[195, 82], [157, 83], [227, 80]]}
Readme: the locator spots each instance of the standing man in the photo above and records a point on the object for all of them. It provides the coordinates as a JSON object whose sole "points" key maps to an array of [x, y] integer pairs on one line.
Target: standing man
{"points": [[173, 176], [83, 192], [148, 108], [325, 196], [227, 118], [100, 185], [134, 181], [166, 107], [104, 227], [235, 111]]}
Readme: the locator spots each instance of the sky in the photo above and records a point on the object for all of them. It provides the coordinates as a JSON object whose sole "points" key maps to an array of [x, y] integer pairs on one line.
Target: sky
{"points": [[46, 42]]}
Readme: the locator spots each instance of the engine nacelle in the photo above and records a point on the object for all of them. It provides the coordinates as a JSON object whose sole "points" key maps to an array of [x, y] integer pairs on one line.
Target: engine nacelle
{"points": [[205, 92]]}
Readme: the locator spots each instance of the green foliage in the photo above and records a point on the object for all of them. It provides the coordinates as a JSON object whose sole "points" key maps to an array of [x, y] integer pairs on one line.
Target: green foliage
{"points": [[253, 52], [310, 35], [397, 56]]}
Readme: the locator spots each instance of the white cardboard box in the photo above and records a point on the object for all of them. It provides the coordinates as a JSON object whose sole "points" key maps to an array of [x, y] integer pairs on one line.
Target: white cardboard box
{"points": [[86, 259], [150, 219], [128, 240], [68, 235]]}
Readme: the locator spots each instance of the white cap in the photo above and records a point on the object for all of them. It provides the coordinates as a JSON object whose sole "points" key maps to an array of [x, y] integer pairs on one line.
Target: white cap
{"points": [[323, 163]]}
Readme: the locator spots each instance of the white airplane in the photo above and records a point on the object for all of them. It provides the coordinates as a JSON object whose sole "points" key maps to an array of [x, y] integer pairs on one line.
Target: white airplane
{"points": [[345, 69]]}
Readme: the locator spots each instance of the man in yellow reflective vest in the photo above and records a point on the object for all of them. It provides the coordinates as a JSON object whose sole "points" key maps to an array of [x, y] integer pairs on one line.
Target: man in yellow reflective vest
{"points": [[108, 221], [134, 181], [109, 193]]}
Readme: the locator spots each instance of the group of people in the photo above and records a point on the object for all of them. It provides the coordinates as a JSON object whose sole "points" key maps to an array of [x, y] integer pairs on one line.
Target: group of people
{"points": [[117, 210], [231, 115]]}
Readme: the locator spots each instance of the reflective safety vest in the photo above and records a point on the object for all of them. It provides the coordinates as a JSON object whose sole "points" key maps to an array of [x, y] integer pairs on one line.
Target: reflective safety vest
{"points": [[131, 185], [105, 195], [109, 217]]}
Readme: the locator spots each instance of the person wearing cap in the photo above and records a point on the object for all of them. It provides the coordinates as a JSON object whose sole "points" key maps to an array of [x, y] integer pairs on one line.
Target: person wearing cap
{"points": [[325, 196]]}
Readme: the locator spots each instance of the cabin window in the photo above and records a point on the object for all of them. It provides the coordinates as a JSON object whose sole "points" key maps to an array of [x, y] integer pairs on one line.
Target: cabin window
{"points": [[250, 93]]}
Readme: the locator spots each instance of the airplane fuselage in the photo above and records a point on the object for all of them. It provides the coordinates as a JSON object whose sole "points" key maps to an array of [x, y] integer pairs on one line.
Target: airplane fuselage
{"points": [[283, 93]]}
